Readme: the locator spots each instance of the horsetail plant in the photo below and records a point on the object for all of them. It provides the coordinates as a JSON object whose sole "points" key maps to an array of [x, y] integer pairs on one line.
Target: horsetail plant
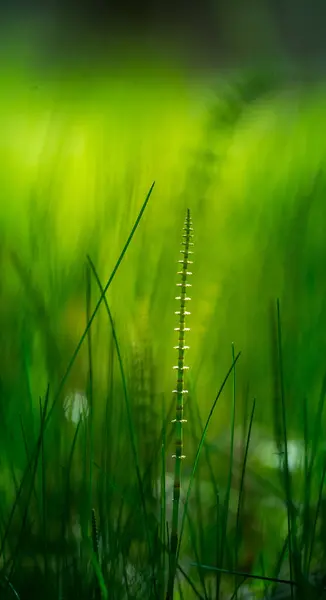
{"points": [[95, 544], [179, 393]]}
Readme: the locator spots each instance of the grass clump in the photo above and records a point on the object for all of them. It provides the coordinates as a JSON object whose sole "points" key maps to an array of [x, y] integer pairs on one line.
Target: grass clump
{"points": [[92, 502], [98, 520]]}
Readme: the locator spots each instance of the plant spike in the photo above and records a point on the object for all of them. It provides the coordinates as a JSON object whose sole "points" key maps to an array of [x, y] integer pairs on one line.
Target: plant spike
{"points": [[95, 544], [179, 392], [95, 535]]}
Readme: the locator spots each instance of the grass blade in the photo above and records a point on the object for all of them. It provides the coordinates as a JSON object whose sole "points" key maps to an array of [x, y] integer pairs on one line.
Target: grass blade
{"points": [[100, 300], [128, 408], [201, 442]]}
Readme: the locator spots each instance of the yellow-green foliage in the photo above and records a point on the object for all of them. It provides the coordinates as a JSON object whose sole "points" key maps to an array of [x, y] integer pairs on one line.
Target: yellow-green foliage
{"points": [[78, 154]]}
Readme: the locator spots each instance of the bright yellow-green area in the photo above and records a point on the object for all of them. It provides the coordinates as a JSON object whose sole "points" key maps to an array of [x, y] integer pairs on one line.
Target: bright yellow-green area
{"points": [[73, 141], [78, 153], [77, 159]]}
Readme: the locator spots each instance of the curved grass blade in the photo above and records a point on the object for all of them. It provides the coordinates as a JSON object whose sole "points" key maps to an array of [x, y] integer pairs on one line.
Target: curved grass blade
{"points": [[100, 579], [195, 550], [100, 300], [9, 586], [243, 574], [190, 583], [35, 453], [241, 490], [229, 483], [90, 387], [279, 562], [128, 408], [200, 445]]}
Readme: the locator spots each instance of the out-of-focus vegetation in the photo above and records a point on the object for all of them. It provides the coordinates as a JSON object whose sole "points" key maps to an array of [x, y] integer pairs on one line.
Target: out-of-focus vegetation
{"points": [[78, 153]]}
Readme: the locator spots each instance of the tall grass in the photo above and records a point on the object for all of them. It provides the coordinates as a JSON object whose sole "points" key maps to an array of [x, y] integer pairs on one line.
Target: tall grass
{"points": [[123, 554], [91, 502]]}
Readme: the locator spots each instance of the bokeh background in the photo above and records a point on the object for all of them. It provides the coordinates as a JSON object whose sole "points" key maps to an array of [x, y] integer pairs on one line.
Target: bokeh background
{"points": [[224, 108], [223, 105]]}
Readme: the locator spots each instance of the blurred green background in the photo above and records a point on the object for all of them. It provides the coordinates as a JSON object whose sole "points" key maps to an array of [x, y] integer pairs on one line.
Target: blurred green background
{"points": [[81, 143], [79, 151]]}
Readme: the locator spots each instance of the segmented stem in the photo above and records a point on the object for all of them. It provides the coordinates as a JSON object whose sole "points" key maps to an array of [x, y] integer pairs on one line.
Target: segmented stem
{"points": [[95, 535], [95, 543], [179, 394]]}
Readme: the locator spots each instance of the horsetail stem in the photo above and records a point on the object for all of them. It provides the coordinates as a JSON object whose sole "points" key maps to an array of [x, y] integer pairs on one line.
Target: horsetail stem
{"points": [[95, 535], [95, 544], [179, 392]]}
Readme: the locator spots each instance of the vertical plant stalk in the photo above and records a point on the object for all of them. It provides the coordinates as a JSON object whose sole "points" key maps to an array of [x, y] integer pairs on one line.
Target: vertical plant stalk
{"points": [[95, 544], [179, 394]]}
